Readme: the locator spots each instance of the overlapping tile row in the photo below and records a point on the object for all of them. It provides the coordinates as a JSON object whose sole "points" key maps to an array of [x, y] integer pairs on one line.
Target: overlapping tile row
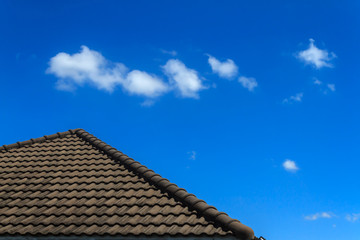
{"points": [[63, 185]]}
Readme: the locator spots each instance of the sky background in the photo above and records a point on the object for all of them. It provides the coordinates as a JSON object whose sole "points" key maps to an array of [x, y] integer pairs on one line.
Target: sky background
{"points": [[252, 105]]}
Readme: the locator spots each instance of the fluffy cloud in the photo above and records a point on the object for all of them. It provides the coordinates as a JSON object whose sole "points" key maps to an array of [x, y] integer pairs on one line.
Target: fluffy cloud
{"points": [[296, 98], [248, 82], [316, 216], [142, 83], [316, 57], [185, 80], [89, 66], [353, 217], [290, 166], [226, 69]]}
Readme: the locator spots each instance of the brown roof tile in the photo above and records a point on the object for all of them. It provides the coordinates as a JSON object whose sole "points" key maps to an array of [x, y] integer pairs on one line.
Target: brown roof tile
{"points": [[72, 183]]}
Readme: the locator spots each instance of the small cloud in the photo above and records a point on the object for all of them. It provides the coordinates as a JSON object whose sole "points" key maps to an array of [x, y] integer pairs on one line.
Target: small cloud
{"points": [[325, 88], [226, 69], [317, 81], [296, 98], [141, 83], [316, 57], [185, 80], [171, 53], [192, 155], [331, 87], [248, 82], [290, 166], [316, 216], [352, 217], [148, 103]]}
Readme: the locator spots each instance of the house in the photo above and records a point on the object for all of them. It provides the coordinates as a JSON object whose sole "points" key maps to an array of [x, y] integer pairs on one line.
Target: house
{"points": [[71, 185]]}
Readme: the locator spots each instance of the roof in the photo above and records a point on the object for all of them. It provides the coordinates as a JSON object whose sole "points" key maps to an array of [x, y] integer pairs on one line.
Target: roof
{"points": [[72, 183]]}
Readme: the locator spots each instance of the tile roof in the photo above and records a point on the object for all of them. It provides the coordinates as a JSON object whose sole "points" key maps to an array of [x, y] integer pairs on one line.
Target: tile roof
{"points": [[72, 183]]}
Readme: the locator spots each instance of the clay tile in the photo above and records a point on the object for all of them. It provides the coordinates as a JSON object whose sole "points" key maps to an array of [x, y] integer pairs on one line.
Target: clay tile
{"points": [[101, 144], [141, 169], [27, 142], [210, 212], [202, 206], [163, 183], [117, 155], [148, 174], [242, 231], [156, 178], [111, 151], [172, 186]]}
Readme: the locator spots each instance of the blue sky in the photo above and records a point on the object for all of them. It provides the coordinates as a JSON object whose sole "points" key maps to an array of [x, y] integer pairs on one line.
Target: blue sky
{"points": [[252, 106]]}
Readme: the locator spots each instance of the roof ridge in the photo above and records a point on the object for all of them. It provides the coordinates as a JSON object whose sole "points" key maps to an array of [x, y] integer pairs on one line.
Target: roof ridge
{"points": [[209, 212], [38, 140]]}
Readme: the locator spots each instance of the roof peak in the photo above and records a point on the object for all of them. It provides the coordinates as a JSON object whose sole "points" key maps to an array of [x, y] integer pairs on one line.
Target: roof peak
{"points": [[209, 212]]}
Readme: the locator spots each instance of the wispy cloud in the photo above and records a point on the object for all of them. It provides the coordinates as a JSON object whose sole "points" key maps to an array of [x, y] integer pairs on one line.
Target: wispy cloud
{"points": [[316, 216], [331, 87], [317, 81], [192, 155], [90, 67], [325, 88], [316, 57], [226, 69], [248, 82], [290, 165], [172, 52], [185, 80], [296, 98], [352, 217]]}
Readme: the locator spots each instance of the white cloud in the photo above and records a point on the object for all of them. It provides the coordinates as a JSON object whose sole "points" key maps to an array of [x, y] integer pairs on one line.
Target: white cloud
{"points": [[192, 155], [226, 69], [331, 87], [353, 217], [317, 57], [248, 82], [184, 79], [316, 216], [317, 81], [290, 166], [89, 66], [296, 98], [142, 83], [325, 88], [172, 53]]}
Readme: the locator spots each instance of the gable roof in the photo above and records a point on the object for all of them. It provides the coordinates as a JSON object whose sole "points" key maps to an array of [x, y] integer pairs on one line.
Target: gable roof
{"points": [[72, 183]]}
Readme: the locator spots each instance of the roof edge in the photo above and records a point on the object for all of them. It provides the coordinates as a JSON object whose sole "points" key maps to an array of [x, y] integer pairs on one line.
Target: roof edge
{"points": [[210, 212], [38, 140]]}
